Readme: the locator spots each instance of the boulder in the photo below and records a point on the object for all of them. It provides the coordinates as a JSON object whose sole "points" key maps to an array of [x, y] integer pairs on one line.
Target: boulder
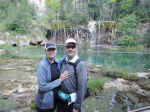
{"points": [[144, 83]]}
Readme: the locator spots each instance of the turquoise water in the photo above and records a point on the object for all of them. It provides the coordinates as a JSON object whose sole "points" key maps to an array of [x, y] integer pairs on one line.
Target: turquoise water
{"points": [[130, 61]]}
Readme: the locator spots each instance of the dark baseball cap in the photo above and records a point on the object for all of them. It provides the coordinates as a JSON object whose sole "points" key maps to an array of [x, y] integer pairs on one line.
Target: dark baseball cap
{"points": [[50, 45]]}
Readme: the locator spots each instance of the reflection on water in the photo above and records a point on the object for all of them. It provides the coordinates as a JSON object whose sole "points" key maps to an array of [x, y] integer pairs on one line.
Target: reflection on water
{"points": [[130, 61]]}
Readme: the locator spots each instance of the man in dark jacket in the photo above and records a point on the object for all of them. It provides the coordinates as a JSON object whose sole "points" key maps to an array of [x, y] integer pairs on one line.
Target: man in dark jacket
{"points": [[76, 85]]}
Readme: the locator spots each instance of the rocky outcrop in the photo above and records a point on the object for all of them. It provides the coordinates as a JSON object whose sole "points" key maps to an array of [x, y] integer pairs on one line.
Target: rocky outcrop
{"points": [[22, 92], [33, 38]]}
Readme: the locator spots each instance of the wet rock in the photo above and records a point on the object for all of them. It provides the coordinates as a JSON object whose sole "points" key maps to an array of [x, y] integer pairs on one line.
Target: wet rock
{"points": [[7, 105], [93, 71], [132, 98], [14, 45], [37, 43], [29, 68], [8, 68], [144, 83], [21, 91], [2, 51], [5, 96], [2, 42], [23, 99], [112, 74], [33, 43], [119, 84], [99, 66], [142, 75]]}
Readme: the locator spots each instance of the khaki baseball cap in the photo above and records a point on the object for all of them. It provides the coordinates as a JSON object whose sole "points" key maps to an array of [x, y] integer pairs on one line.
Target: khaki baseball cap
{"points": [[70, 40]]}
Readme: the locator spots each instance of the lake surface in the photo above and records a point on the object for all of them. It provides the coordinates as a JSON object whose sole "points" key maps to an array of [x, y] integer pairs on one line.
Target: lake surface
{"points": [[130, 61]]}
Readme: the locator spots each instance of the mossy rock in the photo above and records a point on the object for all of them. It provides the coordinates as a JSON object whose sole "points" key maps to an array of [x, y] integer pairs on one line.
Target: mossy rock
{"points": [[107, 25]]}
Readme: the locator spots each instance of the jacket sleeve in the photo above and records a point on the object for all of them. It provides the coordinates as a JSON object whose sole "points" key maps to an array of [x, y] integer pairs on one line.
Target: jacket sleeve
{"points": [[45, 86], [81, 84]]}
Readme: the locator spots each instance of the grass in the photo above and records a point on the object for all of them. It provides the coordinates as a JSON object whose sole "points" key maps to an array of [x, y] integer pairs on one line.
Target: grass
{"points": [[95, 85], [3, 46], [134, 48]]}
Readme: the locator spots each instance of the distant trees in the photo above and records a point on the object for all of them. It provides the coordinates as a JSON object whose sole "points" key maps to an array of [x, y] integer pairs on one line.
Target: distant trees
{"points": [[15, 16]]}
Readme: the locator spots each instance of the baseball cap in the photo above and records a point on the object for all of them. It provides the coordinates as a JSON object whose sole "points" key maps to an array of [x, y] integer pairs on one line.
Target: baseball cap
{"points": [[70, 40], [50, 45]]}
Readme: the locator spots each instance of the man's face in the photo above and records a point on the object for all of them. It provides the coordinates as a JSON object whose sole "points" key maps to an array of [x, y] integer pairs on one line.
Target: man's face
{"points": [[51, 52], [71, 50]]}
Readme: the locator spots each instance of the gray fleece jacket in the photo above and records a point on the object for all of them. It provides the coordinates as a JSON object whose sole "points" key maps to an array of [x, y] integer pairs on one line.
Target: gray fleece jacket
{"points": [[75, 83]]}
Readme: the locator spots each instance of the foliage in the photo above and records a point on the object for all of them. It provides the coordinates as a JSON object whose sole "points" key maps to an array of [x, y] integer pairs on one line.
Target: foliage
{"points": [[126, 41], [95, 85], [113, 1], [127, 25], [53, 9], [126, 4], [142, 10], [64, 12], [53, 4], [15, 16], [71, 14], [126, 28], [77, 18], [146, 40], [33, 106], [9, 51], [101, 9]]}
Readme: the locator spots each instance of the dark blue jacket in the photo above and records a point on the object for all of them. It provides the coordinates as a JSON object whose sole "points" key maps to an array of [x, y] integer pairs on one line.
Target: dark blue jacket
{"points": [[45, 96]]}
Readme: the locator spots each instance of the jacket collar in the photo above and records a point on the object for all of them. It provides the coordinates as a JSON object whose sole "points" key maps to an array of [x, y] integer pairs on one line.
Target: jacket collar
{"points": [[55, 60], [74, 59]]}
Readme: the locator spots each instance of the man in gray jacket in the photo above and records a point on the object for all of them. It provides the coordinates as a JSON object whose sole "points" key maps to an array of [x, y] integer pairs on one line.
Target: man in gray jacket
{"points": [[76, 85]]}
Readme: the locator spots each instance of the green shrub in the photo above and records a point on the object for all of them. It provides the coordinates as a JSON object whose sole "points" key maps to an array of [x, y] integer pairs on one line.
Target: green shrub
{"points": [[95, 85], [15, 16], [126, 28], [128, 41]]}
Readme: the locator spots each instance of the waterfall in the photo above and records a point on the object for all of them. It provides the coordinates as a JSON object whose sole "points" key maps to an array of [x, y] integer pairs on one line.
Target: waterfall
{"points": [[92, 29]]}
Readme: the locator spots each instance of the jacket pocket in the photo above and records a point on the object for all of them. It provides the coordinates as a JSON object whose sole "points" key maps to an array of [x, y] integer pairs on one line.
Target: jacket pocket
{"points": [[48, 100]]}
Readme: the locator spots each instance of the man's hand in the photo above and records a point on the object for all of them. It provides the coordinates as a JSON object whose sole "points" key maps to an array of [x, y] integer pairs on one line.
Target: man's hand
{"points": [[75, 110], [63, 76]]}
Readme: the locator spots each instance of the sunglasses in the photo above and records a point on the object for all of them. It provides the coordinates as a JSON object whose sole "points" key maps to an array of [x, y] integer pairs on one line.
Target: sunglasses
{"points": [[51, 49], [71, 46]]}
